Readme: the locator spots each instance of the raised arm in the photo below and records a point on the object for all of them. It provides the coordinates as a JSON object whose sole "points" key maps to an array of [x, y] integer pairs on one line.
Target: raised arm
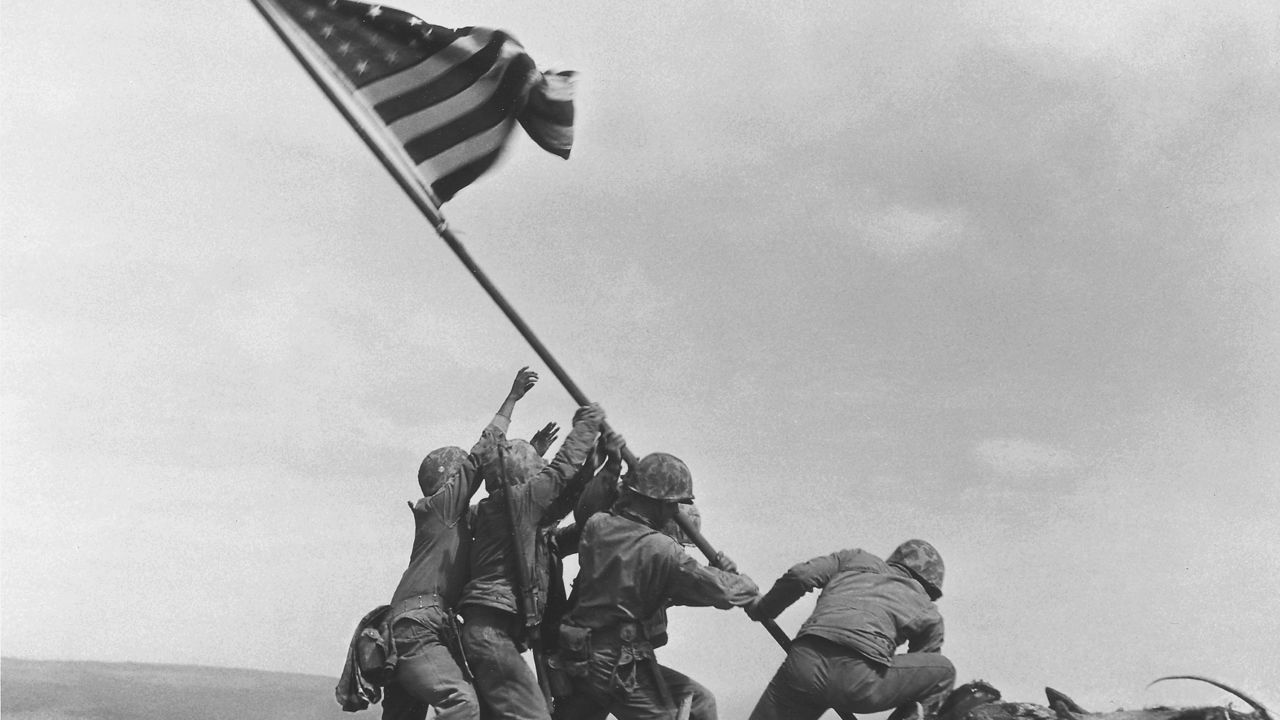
{"points": [[525, 379], [554, 480], [598, 491], [485, 451]]}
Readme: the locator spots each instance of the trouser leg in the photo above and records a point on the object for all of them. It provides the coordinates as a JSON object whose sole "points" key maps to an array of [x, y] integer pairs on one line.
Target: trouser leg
{"points": [[505, 682], [435, 678], [859, 686], [427, 673], [579, 706], [796, 690], [680, 686], [926, 678], [628, 689], [398, 704]]}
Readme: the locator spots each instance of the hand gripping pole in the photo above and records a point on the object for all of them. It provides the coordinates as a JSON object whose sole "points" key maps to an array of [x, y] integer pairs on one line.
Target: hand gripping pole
{"points": [[713, 559]]}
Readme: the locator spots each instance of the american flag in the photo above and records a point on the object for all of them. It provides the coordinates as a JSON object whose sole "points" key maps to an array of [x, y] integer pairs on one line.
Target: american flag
{"points": [[449, 98]]}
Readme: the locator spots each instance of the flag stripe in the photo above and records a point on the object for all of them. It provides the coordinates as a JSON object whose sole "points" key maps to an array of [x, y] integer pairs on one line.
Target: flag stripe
{"points": [[462, 153], [444, 101], [430, 68], [450, 83], [493, 111], [446, 187], [471, 100]]}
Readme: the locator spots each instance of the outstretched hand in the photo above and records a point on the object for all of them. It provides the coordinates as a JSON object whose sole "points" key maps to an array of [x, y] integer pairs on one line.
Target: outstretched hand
{"points": [[525, 379], [545, 438]]}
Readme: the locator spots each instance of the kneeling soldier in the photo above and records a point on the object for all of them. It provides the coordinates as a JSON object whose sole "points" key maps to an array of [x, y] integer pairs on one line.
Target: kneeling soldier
{"points": [[630, 572]]}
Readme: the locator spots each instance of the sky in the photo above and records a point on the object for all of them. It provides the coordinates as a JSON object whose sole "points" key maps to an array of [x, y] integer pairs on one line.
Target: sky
{"points": [[1000, 275]]}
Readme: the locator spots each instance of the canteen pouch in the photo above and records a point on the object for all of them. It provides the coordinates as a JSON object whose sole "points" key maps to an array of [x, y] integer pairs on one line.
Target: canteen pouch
{"points": [[376, 663], [575, 650]]}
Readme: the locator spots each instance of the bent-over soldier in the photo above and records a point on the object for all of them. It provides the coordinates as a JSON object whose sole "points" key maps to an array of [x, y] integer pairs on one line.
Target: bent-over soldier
{"points": [[843, 656]]}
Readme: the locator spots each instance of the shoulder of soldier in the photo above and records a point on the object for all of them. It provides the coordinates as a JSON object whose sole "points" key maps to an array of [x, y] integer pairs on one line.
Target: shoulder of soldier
{"points": [[607, 522], [859, 559]]}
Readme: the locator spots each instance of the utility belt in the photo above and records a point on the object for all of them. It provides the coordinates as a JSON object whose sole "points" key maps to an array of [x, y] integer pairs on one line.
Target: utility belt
{"points": [[379, 649], [578, 644], [629, 647], [424, 601]]}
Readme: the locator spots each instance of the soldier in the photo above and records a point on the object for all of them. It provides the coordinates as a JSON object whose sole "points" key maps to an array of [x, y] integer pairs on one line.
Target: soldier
{"points": [[526, 498], [630, 572], [428, 671], [843, 656]]}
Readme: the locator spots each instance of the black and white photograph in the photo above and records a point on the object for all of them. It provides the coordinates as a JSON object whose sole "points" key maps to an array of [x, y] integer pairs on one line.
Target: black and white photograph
{"points": [[485, 360]]}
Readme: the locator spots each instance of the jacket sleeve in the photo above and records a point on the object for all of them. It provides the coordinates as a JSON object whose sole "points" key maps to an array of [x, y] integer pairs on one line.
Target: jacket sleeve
{"points": [[699, 586], [927, 634], [797, 581], [450, 503], [567, 539], [554, 480], [484, 454], [599, 494]]}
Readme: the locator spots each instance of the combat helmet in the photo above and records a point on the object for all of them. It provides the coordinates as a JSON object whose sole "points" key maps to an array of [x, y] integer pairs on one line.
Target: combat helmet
{"points": [[521, 463], [923, 562], [438, 466], [661, 476]]}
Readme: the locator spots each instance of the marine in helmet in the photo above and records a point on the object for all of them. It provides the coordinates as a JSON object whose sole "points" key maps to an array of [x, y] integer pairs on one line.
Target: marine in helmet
{"points": [[527, 498], [599, 495], [843, 657], [629, 573], [428, 672]]}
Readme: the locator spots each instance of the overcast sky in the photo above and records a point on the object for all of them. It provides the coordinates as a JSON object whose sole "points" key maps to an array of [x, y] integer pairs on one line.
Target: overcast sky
{"points": [[1001, 275]]}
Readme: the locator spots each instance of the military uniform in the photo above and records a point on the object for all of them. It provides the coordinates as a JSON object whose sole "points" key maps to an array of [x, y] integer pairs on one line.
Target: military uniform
{"points": [[629, 574], [421, 618], [843, 656], [494, 619]]}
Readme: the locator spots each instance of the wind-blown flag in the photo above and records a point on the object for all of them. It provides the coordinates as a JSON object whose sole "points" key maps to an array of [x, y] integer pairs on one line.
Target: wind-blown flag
{"points": [[448, 99]]}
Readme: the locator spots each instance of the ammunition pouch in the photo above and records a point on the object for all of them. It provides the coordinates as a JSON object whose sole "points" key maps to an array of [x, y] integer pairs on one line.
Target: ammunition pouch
{"points": [[575, 650], [558, 678]]}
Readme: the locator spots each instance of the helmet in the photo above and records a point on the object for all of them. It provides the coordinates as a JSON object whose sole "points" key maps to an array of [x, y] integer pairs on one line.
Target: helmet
{"points": [[438, 466], [923, 562], [661, 476], [673, 529], [522, 462]]}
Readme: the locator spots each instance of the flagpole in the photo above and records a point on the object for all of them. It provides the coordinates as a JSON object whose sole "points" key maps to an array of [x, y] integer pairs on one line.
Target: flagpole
{"points": [[425, 203], [339, 96], [420, 195]]}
